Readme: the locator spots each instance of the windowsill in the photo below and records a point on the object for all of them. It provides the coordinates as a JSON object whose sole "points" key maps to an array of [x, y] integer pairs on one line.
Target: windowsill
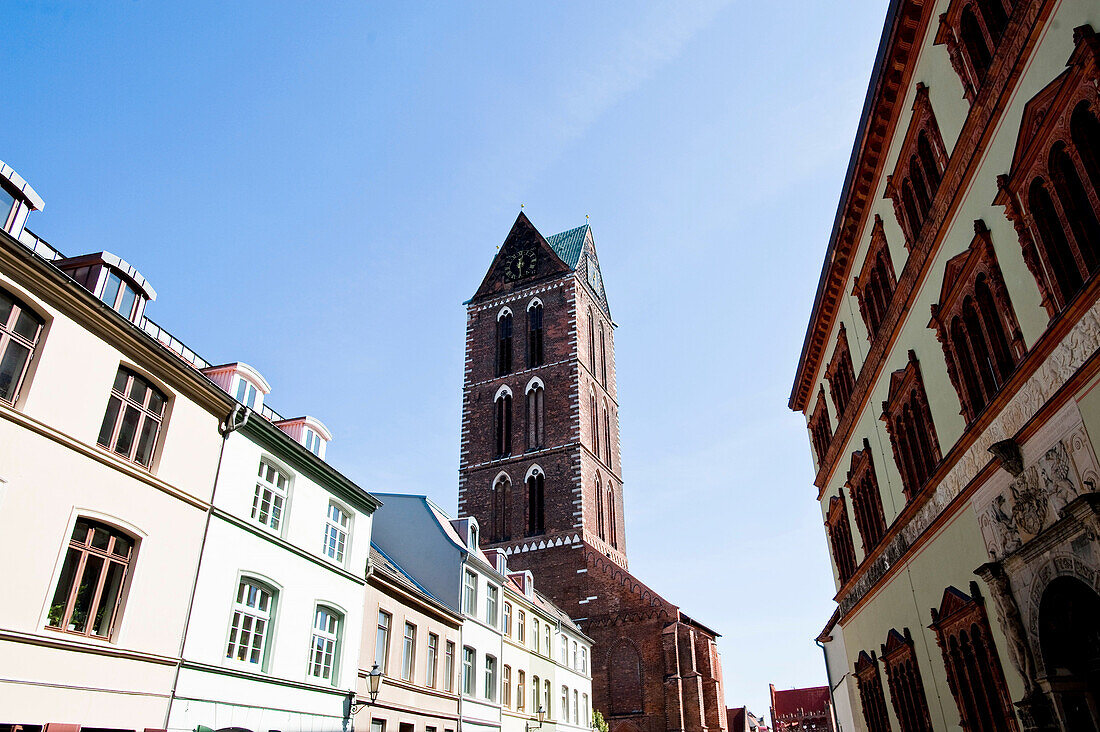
{"points": [[126, 460], [96, 639]]}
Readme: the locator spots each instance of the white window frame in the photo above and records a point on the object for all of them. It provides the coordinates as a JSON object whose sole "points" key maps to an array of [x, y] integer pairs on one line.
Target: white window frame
{"points": [[279, 495], [246, 392], [469, 670], [250, 609], [408, 652], [337, 536], [492, 611], [490, 677], [324, 648], [431, 672], [469, 593]]}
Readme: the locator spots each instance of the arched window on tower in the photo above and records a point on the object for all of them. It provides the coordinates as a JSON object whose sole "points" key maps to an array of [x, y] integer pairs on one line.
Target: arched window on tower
{"points": [[611, 522], [603, 357], [504, 342], [536, 430], [503, 432], [502, 494], [534, 334], [606, 434], [600, 531], [591, 340], [536, 502], [593, 409]]}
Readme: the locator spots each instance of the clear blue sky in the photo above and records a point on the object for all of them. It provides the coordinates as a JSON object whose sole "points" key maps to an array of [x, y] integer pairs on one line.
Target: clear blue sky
{"points": [[316, 188]]}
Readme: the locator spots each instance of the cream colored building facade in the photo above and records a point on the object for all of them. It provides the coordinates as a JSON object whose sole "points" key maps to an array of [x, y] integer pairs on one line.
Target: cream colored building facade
{"points": [[182, 556], [948, 371]]}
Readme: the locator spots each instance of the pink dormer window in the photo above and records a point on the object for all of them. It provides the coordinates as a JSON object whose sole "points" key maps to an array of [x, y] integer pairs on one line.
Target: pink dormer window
{"points": [[309, 431], [242, 382], [113, 280]]}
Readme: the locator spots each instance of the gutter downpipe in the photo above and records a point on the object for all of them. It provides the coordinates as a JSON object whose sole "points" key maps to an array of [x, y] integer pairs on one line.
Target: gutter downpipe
{"points": [[458, 658], [234, 421], [829, 680]]}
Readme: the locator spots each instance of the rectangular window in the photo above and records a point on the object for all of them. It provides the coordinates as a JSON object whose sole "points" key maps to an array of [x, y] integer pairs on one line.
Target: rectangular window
{"points": [[469, 594], [118, 295], [491, 605], [133, 418], [269, 499], [506, 686], [521, 690], [433, 660], [326, 637], [408, 652], [564, 651], [378, 725], [382, 641], [250, 628], [89, 591], [246, 393], [313, 442], [584, 660], [546, 638], [546, 698], [490, 678], [584, 709], [336, 532], [564, 704], [449, 668], [19, 331], [508, 619], [535, 633], [468, 658], [575, 664], [576, 710], [521, 635]]}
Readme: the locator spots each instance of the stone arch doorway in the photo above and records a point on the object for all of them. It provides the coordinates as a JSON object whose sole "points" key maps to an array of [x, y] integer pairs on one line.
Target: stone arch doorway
{"points": [[1069, 641]]}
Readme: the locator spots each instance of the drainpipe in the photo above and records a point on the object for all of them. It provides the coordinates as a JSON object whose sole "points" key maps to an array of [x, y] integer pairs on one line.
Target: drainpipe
{"points": [[234, 421], [829, 680], [459, 651]]}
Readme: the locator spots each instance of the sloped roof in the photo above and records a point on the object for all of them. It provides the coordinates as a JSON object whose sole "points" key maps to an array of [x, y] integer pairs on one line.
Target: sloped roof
{"points": [[569, 244], [793, 703], [383, 564]]}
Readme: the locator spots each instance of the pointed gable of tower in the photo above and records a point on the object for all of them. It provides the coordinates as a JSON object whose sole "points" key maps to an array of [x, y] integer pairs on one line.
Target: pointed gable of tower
{"points": [[577, 247], [523, 258]]}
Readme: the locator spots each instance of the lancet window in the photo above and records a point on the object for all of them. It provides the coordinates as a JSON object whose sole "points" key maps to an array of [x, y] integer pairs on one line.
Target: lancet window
{"points": [[866, 499], [972, 31], [840, 538], [904, 679], [921, 163], [871, 696], [874, 286], [909, 424]]}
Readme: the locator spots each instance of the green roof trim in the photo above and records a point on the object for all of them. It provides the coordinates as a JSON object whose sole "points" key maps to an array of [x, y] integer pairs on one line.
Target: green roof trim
{"points": [[569, 244]]}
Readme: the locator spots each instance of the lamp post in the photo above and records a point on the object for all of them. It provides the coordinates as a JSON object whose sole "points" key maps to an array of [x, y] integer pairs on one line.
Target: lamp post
{"points": [[541, 714], [374, 685]]}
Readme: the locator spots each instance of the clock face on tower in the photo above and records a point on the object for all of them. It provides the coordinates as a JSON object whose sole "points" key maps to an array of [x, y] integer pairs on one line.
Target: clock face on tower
{"points": [[520, 264]]}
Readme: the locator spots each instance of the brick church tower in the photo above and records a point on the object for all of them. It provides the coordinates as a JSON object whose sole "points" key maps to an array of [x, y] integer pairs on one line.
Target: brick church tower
{"points": [[540, 471]]}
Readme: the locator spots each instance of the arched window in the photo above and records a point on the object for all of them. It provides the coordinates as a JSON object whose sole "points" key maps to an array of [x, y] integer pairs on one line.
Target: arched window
{"points": [[591, 340], [503, 431], [536, 406], [874, 288], [1062, 267], [534, 334], [970, 656], [921, 161], [1085, 133], [1076, 207], [624, 677], [324, 651], [502, 499], [993, 13], [840, 373], [909, 424], [871, 695], [840, 538], [595, 419], [866, 498], [20, 328], [132, 421], [250, 628], [611, 517], [504, 342], [1050, 193], [904, 678], [603, 357], [606, 433], [536, 502], [600, 531], [973, 40], [93, 579]]}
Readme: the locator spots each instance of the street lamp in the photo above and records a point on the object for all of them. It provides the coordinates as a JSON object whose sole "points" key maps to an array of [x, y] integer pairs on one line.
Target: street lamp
{"points": [[541, 713], [374, 684]]}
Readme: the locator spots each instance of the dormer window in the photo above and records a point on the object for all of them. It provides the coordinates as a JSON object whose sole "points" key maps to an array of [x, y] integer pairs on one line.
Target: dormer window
{"points": [[241, 381], [115, 282], [246, 393], [17, 200], [308, 431], [312, 442], [7, 203]]}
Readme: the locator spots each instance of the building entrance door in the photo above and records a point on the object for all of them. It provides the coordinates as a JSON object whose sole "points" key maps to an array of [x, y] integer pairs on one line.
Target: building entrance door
{"points": [[1069, 639]]}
